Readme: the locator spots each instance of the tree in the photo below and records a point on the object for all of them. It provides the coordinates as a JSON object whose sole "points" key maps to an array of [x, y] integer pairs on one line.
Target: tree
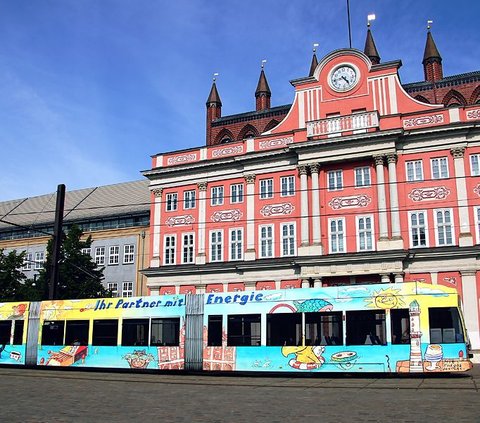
{"points": [[78, 274], [11, 277]]}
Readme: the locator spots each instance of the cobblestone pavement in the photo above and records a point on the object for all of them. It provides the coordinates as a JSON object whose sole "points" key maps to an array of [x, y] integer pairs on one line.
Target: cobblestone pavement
{"points": [[44, 395]]}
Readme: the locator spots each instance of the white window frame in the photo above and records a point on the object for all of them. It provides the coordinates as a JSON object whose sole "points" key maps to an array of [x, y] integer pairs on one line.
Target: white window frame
{"points": [[217, 195], [362, 177], [235, 245], [99, 256], [127, 289], [369, 234], [216, 246], [411, 228], [416, 167], [443, 227], [337, 235], [288, 242], [236, 193], [129, 254], [266, 188], [113, 288], [169, 252], [475, 164], [27, 261], [439, 167], [189, 199], [287, 186], [87, 251], [266, 243], [335, 180], [188, 248], [171, 201], [113, 255]]}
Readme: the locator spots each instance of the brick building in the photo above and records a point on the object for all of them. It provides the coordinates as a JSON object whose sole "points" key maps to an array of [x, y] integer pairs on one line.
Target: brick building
{"points": [[357, 181]]}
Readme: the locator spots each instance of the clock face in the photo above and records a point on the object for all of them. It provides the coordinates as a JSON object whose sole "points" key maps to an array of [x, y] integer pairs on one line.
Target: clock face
{"points": [[343, 78]]}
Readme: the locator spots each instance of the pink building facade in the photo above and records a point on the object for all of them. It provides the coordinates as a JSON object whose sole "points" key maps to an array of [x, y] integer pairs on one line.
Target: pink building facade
{"points": [[358, 183]]}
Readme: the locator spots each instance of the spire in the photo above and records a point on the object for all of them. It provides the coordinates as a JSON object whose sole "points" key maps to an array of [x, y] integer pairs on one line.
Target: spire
{"points": [[432, 61], [314, 63], [213, 97], [370, 48], [262, 93]]}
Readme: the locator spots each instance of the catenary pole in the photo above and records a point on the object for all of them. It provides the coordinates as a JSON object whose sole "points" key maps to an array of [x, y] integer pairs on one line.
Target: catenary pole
{"points": [[57, 241]]}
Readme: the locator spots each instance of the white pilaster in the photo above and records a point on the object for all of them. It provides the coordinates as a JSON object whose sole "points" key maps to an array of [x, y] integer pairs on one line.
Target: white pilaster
{"points": [[382, 203], [157, 213], [394, 210], [250, 252], [465, 236], [304, 230], [202, 211], [316, 228]]}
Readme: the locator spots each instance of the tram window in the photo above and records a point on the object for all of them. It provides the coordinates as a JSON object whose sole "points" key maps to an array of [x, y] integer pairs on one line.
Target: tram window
{"points": [[76, 332], [52, 332], [400, 326], [284, 329], [5, 329], [18, 332], [134, 332], [445, 325], [165, 332], [366, 327], [243, 330], [325, 328], [215, 329], [105, 333]]}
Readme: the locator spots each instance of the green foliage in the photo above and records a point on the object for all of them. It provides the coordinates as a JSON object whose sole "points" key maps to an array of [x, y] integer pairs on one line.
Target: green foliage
{"points": [[78, 275], [11, 277]]}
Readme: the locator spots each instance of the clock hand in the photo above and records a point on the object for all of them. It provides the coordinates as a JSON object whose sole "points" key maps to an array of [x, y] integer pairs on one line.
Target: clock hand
{"points": [[346, 80]]}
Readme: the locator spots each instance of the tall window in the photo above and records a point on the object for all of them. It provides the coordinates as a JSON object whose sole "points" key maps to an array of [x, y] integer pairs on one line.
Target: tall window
{"points": [[100, 256], [172, 200], [364, 233], [287, 186], [337, 235], [189, 199], [236, 193], [266, 241], [439, 168], [288, 239], [27, 261], [127, 289], [188, 248], [414, 171], [236, 244], [169, 250], [418, 229], [128, 254], [335, 180], [266, 188], [475, 164], [217, 196], [477, 223], [113, 288], [39, 259], [444, 227], [113, 254], [362, 177], [216, 246]]}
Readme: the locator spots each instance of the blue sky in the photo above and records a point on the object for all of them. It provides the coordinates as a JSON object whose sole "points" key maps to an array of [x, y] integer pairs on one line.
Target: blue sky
{"points": [[90, 89]]}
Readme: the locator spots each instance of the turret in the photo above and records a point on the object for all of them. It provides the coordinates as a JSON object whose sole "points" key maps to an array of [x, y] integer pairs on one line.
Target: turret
{"points": [[314, 63], [370, 48], [262, 93], [214, 109], [432, 61]]}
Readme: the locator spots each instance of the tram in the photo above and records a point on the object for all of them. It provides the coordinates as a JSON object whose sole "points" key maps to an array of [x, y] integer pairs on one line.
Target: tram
{"points": [[409, 327]]}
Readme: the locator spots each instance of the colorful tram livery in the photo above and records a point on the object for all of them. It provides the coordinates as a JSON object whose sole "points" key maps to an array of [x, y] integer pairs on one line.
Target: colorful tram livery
{"points": [[404, 328]]}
